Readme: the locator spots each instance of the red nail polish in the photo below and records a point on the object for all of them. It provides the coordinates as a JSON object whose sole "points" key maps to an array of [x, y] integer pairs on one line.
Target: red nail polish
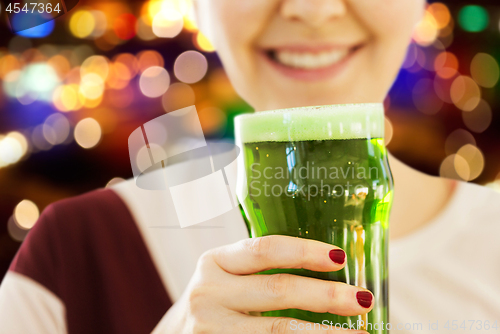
{"points": [[364, 298], [337, 256]]}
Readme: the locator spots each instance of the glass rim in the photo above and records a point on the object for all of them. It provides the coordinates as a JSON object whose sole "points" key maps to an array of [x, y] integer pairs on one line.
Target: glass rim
{"points": [[344, 121], [312, 109]]}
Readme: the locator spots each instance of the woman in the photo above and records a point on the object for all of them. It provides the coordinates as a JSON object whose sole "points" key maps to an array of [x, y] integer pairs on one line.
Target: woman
{"points": [[98, 263]]}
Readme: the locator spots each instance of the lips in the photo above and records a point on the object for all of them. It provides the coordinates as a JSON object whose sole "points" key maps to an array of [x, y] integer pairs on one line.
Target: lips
{"points": [[307, 63], [309, 60]]}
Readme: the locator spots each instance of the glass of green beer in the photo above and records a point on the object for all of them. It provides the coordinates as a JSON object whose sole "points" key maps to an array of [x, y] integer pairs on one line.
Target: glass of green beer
{"points": [[322, 173]]}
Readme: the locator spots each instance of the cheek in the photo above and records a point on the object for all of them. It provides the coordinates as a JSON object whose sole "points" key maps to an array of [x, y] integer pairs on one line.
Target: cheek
{"points": [[388, 19], [390, 24], [234, 27], [236, 24]]}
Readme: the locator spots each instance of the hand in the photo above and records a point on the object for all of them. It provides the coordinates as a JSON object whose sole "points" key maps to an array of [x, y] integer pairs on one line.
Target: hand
{"points": [[223, 292]]}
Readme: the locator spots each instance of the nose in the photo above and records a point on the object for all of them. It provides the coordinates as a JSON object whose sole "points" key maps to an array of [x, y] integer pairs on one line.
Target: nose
{"points": [[314, 13]]}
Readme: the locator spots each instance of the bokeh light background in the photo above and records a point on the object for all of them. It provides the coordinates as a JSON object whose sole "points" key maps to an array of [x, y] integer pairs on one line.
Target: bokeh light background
{"points": [[72, 90]]}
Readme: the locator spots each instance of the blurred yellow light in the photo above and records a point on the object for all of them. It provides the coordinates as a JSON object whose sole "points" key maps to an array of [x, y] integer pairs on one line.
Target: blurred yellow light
{"points": [[122, 71], [26, 214], [8, 63], [57, 99], [212, 120], [21, 139], [446, 65], [449, 165], [154, 81], [91, 103], [34, 55], [114, 181], [65, 98], [49, 134], [485, 70], [203, 43], [149, 58], [92, 86], [88, 133], [124, 27], [190, 24], [461, 167], [457, 139], [186, 7], [130, 61], [11, 151], [145, 16], [441, 14], [446, 35], [38, 139], [167, 24], [426, 31], [60, 65], [144, 29], [190, 66], [143, 160], [479, 119], [74, 76], [108, 41], [12, 76], [10, 83], [168, 5], [101, 23], [119, 76], [82, 23], [95, 64], [16, 233], [56, 129], [178, 96], [465, 93], [475, 161], [220, 86], [153, 8]]}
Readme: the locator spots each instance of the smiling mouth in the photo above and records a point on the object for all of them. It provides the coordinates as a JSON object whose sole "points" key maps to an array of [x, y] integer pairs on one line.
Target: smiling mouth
{"points": [[307, 60]]}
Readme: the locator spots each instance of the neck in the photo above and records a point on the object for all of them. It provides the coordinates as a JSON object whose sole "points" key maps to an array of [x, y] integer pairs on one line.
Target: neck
{"points": [[418, 198]]}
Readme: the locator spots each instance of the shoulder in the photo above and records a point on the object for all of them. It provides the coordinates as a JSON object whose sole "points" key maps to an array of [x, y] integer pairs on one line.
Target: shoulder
{"points": [[93, 215], [74, 233]]}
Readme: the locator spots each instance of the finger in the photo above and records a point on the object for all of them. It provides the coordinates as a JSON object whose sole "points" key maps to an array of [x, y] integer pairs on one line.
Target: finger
{"points": [[285, 291], [270, 325], [250, 256]]}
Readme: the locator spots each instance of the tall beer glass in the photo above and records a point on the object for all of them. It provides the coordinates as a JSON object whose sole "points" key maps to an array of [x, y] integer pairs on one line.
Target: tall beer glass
{"points": [[322, 173]]}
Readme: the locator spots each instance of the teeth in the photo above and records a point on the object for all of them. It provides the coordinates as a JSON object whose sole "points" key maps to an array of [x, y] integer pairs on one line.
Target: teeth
{"points": [[307, 60]]}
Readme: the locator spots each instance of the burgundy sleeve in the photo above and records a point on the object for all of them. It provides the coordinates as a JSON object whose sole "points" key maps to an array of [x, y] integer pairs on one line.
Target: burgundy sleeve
{"points": [[89, 252]]}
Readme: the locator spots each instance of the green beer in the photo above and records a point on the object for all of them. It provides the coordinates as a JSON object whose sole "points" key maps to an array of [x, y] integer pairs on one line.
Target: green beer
{"points": [[322, 173]]}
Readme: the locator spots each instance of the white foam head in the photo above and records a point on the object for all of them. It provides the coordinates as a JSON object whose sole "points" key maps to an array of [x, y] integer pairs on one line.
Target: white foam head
{"points": [[343, 121]]}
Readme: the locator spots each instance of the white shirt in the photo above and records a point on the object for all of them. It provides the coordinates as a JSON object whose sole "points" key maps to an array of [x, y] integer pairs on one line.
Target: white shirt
{"points": [[445, 274], [449, 270]]}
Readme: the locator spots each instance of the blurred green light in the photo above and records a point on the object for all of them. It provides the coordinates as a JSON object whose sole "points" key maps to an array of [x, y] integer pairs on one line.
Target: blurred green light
{"points": [[473, 18]]}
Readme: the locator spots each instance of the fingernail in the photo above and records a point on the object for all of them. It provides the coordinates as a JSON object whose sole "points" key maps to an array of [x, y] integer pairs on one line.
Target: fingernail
{"points": [[364, 298], [337, 256]]}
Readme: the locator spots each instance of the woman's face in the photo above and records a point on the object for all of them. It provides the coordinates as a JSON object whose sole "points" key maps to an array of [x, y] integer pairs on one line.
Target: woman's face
{"points": [[293, 53]]}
